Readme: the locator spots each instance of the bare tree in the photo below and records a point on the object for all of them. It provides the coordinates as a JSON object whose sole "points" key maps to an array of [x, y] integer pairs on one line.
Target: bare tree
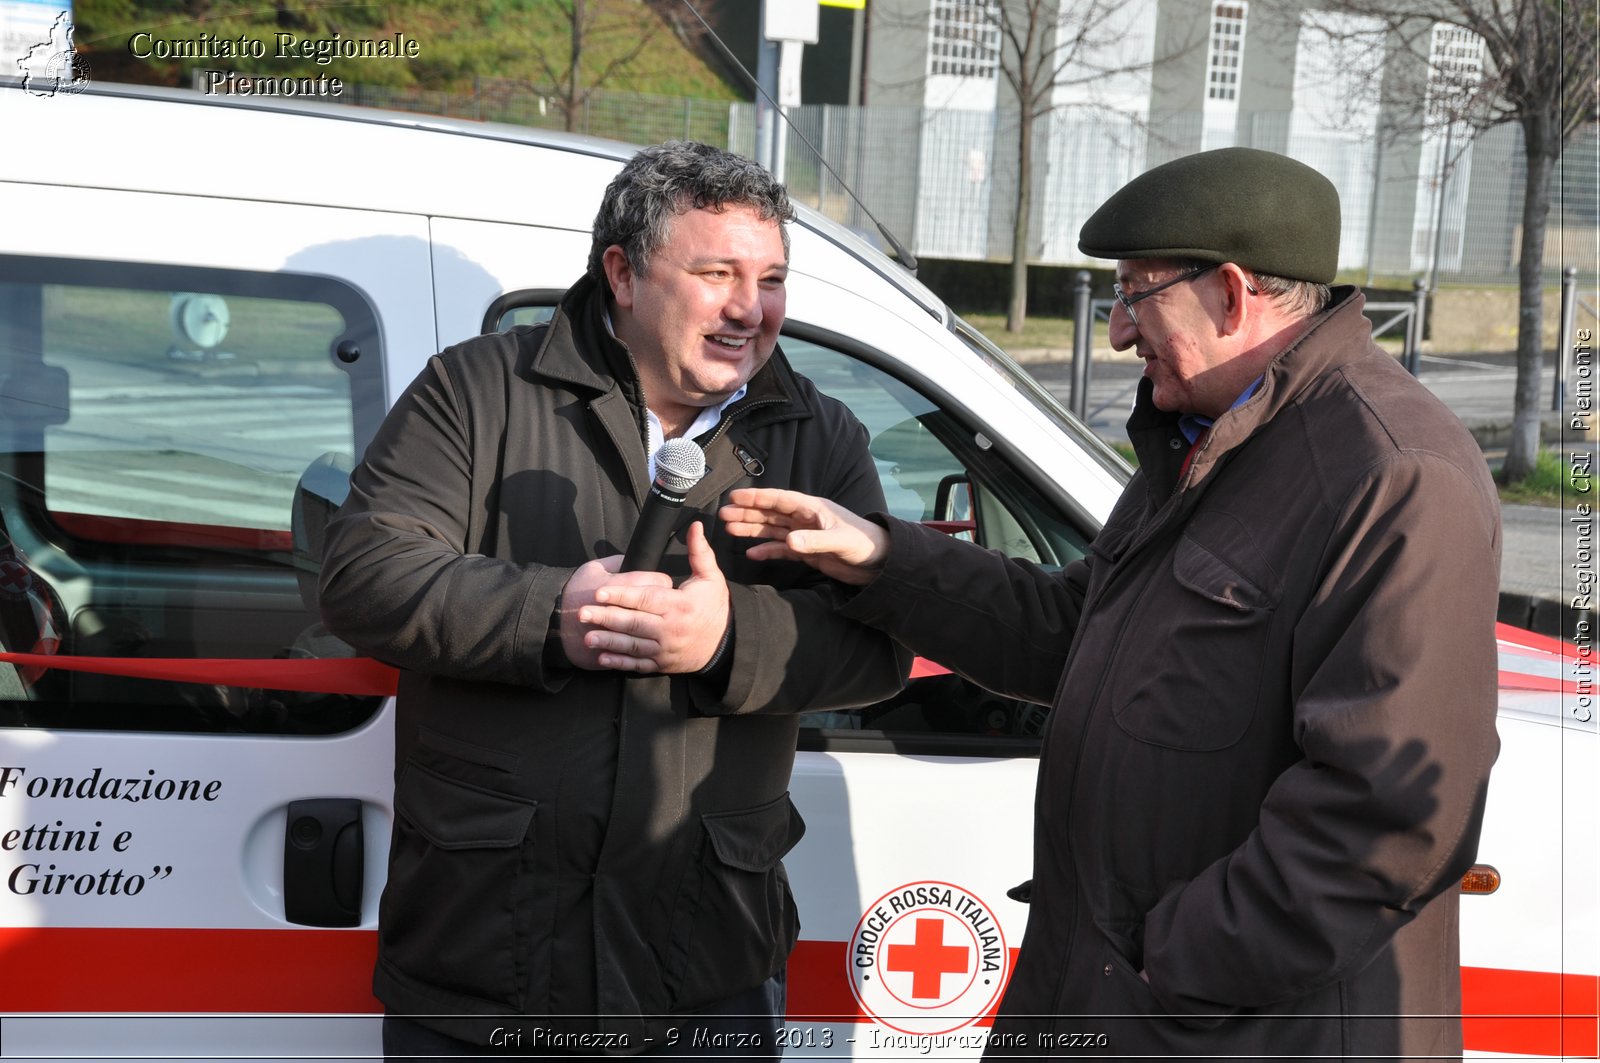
{"points": [[613, 28], [1537, 71], [1050, 51]]}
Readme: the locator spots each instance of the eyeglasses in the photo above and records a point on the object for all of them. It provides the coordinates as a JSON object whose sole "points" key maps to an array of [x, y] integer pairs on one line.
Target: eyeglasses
{"points": [[1127, 300]]}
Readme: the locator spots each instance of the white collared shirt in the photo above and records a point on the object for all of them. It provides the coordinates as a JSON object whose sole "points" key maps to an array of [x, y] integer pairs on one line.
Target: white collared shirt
{"points": [[705, 422]]}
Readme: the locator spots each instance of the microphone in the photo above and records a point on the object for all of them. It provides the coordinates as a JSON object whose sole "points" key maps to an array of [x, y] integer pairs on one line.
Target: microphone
{"points": [[680, 463]]}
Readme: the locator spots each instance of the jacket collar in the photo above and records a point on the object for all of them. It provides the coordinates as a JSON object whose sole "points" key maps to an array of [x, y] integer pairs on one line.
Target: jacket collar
{"points": [[579, 349], [1333, 339]]}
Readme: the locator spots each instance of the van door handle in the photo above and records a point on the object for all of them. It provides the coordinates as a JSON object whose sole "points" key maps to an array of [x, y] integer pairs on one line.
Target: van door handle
{"points": [[322, 862]]}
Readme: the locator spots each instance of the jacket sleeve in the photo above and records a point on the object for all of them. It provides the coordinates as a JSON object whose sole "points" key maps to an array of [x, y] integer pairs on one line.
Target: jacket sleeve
{"points": [[1393, 693], [1004, 623], [793, 650], [396, 581]]}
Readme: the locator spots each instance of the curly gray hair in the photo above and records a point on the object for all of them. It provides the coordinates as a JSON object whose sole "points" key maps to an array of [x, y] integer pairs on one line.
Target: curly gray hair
{"points": [[668, 179]]}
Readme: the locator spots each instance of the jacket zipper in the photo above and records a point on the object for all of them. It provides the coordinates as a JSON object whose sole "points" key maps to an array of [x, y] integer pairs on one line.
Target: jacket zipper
{"points": [[731, 415], [751, 464]]}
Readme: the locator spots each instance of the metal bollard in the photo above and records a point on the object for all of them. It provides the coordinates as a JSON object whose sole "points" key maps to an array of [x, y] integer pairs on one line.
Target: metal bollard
{"points": [[1082, 342], [1569, 309], [1419, 315]]}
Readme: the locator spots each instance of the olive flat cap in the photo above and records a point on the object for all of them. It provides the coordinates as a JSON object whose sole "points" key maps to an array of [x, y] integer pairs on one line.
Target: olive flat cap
{"points": [[1262, 210]]}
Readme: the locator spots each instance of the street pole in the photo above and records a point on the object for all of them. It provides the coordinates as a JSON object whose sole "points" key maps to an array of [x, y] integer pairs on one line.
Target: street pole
{"points": [[766, 95], [1569, 310], [786, 25], [1438, 216], [1082, 343], [1419, 315], [1372, 209]]}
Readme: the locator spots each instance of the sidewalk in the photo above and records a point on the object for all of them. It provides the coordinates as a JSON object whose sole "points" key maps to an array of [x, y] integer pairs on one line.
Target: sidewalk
{"points": [[1544, 549], [1537, 581]]}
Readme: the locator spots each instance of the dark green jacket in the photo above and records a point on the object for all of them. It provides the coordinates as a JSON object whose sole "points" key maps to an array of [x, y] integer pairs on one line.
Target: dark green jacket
{"points": [[569, 842], [1274, 688]]}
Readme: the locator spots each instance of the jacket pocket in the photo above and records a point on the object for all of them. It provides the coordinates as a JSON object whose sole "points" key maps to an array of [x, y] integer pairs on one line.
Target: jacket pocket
{"points": [[1120, 912], [457, 882], [735, 921], [1201, 649]]}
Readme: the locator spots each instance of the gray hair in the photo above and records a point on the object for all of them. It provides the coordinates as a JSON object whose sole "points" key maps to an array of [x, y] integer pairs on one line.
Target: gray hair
{"points": [[663, 181], [1301, 297]]}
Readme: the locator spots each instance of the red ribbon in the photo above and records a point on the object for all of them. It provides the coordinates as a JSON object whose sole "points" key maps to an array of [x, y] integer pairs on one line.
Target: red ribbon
{"points": [[325, 675]]}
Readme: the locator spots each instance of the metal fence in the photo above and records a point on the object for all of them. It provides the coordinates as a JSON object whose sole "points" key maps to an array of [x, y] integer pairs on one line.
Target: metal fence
{"points": [[1446, 208], [630, 117]]}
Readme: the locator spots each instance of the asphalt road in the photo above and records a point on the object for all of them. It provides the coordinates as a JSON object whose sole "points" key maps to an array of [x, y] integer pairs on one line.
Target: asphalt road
{"points": [[1478, 387]]}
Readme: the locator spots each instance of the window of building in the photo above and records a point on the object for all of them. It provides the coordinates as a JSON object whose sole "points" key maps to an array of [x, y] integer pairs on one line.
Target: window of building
{"points": [[1455, 68], [1225, 56], [1455, 71], [965, 38]]}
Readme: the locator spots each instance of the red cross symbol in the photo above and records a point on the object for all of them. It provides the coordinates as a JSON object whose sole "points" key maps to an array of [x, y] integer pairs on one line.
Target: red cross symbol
{"points": [[14, 577], [928, 959]]}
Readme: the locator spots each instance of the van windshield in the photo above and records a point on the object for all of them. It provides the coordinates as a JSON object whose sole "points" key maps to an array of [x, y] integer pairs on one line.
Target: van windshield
{"points": [[1025, 385]]}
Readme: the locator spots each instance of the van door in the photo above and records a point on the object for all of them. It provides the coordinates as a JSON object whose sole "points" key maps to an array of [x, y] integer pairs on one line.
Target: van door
{"points": [[194, 775]]}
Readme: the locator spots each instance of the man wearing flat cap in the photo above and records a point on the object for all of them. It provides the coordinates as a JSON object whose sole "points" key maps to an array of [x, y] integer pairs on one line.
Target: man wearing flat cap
{"points": [[1273, 677]]}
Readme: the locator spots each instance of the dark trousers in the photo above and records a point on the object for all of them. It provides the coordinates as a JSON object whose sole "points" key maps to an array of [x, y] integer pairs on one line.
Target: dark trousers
{"points": [[744, 1026]]}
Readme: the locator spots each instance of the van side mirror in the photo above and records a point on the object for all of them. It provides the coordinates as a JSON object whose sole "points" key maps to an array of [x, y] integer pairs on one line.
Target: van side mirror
{"points": [[953, 509], [954, 498]]}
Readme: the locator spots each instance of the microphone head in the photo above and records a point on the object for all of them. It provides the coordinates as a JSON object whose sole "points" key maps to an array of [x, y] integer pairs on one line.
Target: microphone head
{"points": [[680, 463]]}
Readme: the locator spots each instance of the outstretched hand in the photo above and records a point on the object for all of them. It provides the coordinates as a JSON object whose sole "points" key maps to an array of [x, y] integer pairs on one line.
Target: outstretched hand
{"points": [[800, 527]]}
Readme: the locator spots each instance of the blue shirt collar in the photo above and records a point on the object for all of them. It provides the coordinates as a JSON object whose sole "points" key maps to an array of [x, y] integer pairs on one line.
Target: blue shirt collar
{"points": [[1193, 424]]}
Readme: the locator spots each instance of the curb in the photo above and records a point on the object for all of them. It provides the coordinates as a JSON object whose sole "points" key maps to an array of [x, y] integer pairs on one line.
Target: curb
{"points": [[1546, 616], [1494, 434]]}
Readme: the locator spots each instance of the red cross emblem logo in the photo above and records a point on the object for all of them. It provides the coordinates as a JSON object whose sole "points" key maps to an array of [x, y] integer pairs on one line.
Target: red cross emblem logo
{"points": [[928, 958]]}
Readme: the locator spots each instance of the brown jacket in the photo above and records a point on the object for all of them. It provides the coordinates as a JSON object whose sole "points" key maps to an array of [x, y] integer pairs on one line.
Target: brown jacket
{"points": [[1265, 770], [571, 842]]}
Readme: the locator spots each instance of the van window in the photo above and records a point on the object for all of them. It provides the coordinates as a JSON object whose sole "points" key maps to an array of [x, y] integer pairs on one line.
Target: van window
{"points": [[937, 467], [172, 441]]}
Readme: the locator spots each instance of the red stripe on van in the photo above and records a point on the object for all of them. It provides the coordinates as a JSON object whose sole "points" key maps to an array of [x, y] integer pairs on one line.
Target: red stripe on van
{"points": [[1546, 684], [1530, 1012], [91, 969], [1532, 640], [819, 985], [109, 969], [818, 989]]}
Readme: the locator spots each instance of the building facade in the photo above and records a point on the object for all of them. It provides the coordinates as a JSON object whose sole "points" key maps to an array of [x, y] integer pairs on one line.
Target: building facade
{"points": [[1136, 84]]}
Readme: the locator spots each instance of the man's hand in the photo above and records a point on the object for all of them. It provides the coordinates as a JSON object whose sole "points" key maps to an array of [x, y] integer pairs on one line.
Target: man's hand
{"points": [[579, 594], [824, 535], [636, 626]]}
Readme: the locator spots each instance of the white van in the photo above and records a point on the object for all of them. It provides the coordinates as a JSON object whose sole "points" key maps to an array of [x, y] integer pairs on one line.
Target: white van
{"points": [[205, 308]]}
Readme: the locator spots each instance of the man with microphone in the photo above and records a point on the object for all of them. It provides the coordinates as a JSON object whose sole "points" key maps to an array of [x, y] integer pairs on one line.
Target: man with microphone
{"points": [[591, 802]]}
